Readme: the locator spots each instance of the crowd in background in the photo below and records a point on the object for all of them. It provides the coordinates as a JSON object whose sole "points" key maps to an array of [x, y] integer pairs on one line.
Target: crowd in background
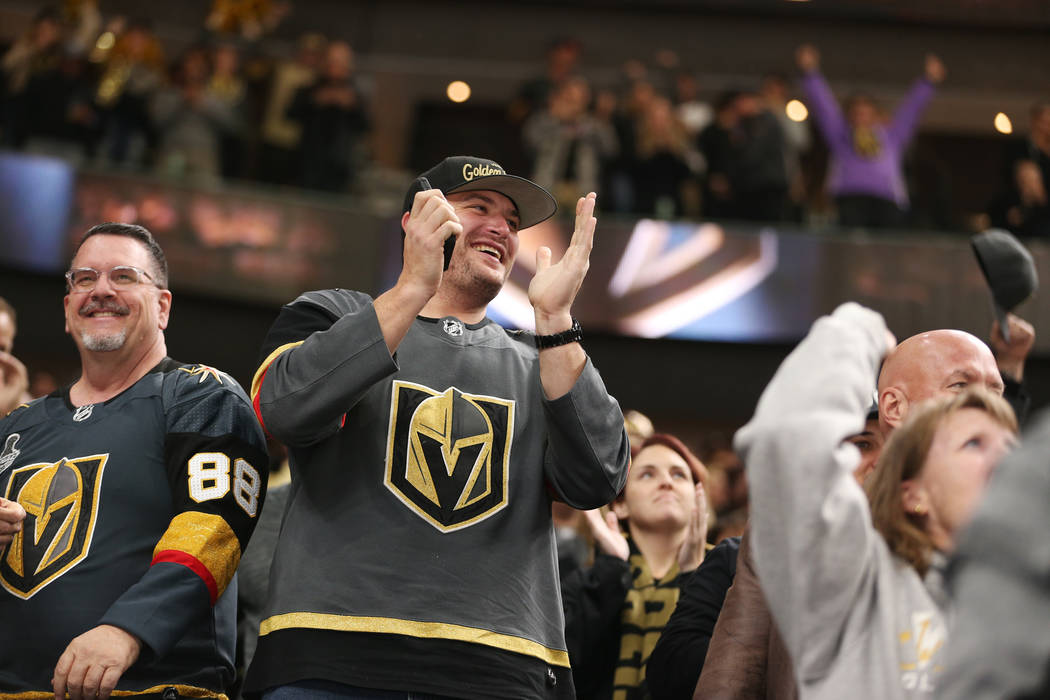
{"points": [[653, 146], [111, 94], [108, 92]]}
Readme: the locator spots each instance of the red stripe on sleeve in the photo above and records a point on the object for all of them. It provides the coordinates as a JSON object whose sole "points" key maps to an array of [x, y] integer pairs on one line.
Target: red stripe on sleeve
{"points": [[256, 401], [176, 557]]}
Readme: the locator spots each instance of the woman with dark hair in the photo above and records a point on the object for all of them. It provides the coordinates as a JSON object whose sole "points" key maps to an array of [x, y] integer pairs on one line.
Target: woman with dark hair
{"points": [[615, 610], [857, 590]]}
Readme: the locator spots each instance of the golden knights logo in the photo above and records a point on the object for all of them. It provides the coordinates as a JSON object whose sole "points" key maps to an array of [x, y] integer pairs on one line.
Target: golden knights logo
{"points": [[61, 504], [922, 643], [448, 454]]}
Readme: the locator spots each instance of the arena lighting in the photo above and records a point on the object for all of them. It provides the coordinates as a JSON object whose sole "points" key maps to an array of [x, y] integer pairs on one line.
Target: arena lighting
{"points": [[1003, 124], [458, 91], [796, 111]]}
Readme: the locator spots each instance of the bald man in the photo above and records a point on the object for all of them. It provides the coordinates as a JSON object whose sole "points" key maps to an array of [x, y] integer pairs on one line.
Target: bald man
{"points": [[933, 364], [942, 362], [746, 657]]}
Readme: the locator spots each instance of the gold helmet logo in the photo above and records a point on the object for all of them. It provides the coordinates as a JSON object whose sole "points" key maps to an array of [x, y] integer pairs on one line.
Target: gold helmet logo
{"points": [[447, 454], [61, 504]]}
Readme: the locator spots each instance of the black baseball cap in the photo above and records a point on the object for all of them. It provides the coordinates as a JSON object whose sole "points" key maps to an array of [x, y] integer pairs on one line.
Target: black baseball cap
{"points": [[467, 173], [1009, 270]]}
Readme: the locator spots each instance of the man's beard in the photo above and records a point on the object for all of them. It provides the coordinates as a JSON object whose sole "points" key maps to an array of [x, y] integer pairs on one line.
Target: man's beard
{"points": [[481, 287], [104, 342]]}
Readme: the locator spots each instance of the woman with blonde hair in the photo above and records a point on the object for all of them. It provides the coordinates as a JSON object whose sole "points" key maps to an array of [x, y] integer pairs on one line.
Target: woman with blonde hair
{"points": [[933, 471], [857, 590]]}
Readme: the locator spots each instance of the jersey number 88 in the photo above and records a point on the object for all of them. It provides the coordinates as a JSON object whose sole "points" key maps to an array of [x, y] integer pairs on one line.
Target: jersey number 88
{"points": [[210, 479]]}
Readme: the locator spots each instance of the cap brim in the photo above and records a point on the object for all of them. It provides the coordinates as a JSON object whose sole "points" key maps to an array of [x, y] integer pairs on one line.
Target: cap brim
{"points": [[534, 203]]}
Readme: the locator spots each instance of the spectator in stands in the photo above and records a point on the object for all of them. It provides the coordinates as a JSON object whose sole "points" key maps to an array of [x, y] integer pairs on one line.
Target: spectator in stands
{"points": [[865, 173], [1000, 645], [744, 657], [13, 377], [281, 135], [613, 608], [716, 146], [758, 172], [83, 21], [58, 119], [133, 73], [725, 636], [569, 145], [837, 574], [334, 119], [563, 59], [775, 92], [1024, 208], [630, 110], [664, 160], [227, 87], [693, 112], [248, 19], [191, 120], [37, 54]]}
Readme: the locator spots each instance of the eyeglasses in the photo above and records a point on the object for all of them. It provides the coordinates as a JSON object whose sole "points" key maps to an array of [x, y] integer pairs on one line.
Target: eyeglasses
{"points": [[84, 279]]}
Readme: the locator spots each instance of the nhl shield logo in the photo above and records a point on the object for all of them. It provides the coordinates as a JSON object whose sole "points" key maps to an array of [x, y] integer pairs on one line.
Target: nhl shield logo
{"points": [[452, 326], [448, 454], [61, 504]]}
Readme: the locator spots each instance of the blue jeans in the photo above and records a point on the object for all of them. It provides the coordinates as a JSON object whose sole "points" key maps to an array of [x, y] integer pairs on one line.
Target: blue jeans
{"points": [[330, 690]]}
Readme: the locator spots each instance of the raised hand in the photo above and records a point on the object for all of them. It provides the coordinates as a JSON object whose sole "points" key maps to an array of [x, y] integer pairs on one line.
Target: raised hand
{"points": [[430, 222], [692, 551], [807, 58], [607, 533], [554, 287], [1011, 354], [934, 69]]}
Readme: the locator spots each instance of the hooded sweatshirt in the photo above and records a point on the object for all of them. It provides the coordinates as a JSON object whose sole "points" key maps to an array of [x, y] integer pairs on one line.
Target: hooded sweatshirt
{"points": [[858, 621]]}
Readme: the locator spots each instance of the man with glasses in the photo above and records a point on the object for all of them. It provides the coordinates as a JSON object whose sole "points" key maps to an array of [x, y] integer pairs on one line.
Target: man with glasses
{"points": [[128, 498]]}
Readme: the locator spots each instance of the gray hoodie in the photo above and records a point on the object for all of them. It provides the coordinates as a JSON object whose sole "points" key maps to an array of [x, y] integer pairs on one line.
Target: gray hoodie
{"points": [[858, 621]]}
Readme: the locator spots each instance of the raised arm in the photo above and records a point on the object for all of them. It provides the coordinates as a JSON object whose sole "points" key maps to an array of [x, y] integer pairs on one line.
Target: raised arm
{"points": [[811, 532], [906, 118], [552, 292], [821, 100], [327, 348], [587, 451], [426, 227]]}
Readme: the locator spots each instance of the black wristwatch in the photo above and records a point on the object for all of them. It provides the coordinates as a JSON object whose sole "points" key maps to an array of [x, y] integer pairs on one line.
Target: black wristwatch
{"points": [[573, 335]]}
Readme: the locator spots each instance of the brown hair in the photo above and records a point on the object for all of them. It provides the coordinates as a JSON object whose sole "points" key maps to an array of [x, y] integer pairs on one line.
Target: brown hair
{"points": [[670, 441], [903, 458], [143, 236]]}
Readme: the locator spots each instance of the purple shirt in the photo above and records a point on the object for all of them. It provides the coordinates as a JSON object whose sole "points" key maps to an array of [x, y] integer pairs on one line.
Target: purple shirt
{"points": [[849, 171]]}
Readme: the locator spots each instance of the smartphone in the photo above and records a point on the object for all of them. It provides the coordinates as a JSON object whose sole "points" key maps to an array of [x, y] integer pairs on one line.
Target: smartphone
{"points": [[450, 242]]}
